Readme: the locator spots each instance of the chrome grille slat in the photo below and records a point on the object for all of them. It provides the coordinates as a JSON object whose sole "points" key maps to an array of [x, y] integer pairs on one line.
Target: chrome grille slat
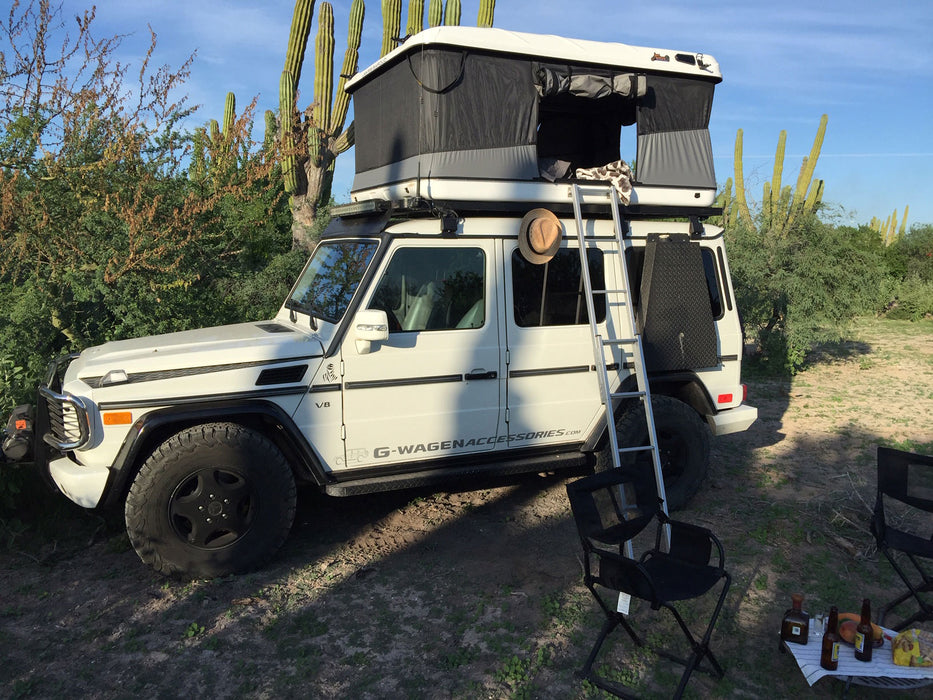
{"points": [[69, 425]]}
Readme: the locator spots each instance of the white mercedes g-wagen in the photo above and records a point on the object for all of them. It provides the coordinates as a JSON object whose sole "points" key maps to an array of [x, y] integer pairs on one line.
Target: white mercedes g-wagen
{"points": [[435, 333]]}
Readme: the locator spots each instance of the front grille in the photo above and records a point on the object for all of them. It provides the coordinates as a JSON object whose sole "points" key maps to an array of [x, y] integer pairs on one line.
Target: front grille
{"points": [[69, 427]]}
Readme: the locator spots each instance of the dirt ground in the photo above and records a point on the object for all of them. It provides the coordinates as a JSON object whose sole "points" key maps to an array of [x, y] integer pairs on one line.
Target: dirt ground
{"points": [[478, 594]]}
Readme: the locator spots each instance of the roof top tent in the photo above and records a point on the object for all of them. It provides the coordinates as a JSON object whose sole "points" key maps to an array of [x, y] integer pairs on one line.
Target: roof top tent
{"points": [[465, 113]]}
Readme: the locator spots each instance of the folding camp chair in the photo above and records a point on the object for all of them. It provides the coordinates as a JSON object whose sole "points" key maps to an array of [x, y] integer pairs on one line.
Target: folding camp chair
{"points": [[610, 511], [908, 479]]}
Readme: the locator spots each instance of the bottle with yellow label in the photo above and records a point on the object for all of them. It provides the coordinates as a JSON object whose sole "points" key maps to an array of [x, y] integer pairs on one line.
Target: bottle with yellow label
{"points": [[829, 654], [863, 635]]}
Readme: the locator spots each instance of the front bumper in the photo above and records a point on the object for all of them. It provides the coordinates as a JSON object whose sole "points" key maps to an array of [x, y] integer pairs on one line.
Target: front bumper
{"points": [[82, 484]]}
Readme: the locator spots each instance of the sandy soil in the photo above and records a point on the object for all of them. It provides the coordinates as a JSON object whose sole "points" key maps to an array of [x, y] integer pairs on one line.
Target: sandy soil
{"points": [[476, 593]]}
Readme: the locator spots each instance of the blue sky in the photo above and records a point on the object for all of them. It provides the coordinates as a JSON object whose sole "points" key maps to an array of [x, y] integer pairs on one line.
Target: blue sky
{"points": [[867, 65]]}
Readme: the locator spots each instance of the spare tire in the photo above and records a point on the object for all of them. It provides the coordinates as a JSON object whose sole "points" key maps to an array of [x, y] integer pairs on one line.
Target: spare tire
{"points": [[683, 448]]}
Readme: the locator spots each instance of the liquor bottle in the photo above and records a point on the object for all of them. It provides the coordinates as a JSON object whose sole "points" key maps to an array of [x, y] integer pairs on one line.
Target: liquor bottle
{"points": [[796, 624], [829, 655], [864, 640]]}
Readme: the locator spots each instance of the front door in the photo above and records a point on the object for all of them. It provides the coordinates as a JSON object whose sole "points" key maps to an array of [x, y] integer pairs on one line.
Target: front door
{"points": [[432, 390]]}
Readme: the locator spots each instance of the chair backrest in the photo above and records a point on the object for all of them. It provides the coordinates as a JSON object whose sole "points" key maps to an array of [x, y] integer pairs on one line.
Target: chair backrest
{"points": [[605, 508], [906, 477]]}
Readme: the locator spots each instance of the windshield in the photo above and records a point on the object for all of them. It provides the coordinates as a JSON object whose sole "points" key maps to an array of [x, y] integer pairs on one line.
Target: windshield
{"points": [[331, 278]]}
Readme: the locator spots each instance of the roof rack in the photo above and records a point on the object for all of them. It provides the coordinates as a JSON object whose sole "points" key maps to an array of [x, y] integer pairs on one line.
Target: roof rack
{"points": [[420, 207]]}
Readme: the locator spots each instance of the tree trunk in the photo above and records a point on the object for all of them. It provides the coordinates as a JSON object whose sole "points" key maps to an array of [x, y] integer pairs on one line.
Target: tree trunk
{"points": [[304, 206], [303, 214]]}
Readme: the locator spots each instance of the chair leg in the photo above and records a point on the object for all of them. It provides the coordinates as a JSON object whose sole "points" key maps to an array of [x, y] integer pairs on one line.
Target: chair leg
{"points": [[700, 648], [913, 591]]}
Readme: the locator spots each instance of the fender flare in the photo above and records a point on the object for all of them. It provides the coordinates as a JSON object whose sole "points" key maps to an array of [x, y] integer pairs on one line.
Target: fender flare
{"points": [[155, 427]]}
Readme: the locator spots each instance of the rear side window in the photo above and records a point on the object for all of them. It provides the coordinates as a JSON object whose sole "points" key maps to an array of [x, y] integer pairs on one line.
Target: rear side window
{"points": [[552, 294]]}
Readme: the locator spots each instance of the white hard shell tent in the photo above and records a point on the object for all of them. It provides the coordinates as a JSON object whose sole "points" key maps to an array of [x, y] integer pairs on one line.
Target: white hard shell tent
{"points": [[466, 103]]}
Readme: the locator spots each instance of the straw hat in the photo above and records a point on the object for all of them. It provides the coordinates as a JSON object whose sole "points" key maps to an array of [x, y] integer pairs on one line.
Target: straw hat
{"points": [[539, 236]]}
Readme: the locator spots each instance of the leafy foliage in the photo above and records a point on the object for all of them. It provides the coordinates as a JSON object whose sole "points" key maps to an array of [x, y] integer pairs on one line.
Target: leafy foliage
{"points": [[802, 288], [105, 235]]}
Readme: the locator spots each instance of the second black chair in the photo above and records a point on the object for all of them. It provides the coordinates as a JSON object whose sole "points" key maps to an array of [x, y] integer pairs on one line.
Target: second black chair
{"points": [[905, 480], [609, 511]]}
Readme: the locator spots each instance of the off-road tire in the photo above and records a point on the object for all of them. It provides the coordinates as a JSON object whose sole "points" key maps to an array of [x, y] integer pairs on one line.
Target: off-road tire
{"points": [[683, 448], [211, 500]]}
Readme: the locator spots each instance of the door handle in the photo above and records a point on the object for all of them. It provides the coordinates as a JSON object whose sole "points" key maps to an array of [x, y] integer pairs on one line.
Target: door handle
{"points": [[480, 374]]}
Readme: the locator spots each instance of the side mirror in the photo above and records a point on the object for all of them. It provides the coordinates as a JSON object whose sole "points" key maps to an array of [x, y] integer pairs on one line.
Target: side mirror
{"points": [[370, 326]]}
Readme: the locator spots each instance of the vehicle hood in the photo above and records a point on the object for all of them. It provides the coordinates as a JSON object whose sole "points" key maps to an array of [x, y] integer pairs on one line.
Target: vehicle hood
{"points": [[239, 352]]}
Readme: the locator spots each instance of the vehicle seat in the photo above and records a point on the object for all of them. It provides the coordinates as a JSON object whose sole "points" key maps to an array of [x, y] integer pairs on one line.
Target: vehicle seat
{"points": [[474, 317], [420, 310]]}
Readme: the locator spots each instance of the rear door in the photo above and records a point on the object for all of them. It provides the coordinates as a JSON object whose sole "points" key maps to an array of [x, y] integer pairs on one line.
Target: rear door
{"points": [[553, 392]]}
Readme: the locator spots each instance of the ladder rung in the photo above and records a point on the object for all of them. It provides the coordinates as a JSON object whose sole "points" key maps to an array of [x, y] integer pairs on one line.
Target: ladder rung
{"points": [[620, 341], [610, 291], [628, 394], [643, 448]]}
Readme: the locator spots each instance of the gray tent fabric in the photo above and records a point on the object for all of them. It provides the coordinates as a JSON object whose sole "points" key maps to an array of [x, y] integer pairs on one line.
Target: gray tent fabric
{"points": [[451, 112]]}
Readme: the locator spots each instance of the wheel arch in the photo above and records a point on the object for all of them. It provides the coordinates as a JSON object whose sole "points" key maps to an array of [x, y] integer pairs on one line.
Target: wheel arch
{"points": [[683, 386], [155, 427]]}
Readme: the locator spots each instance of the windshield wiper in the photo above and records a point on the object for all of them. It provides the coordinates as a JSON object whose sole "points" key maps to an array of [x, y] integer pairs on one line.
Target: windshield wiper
{"points": [[294, 306]]}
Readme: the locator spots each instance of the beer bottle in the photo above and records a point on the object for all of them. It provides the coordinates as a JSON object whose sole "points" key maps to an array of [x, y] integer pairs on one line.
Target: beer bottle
{"points": [[796, 624], [864, 639], [829, 655]]}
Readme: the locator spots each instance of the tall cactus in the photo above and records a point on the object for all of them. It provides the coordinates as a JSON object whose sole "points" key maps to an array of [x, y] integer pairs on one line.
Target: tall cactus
{"points": [[307, 164], [309, 148], [780, 205]]}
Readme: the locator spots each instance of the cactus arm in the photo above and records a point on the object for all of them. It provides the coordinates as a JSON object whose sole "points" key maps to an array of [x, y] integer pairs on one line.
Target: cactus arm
{"points": [[452, 13], [435, 13], [771, 204], [487, 10], [814, 197], [229, 115], [345, 140], [298, 37], [323, 82], [391, 23], [198, 156], [415, 17], [287, 116], [351, 61], [741, 202], [268, 136], [807, 169]]}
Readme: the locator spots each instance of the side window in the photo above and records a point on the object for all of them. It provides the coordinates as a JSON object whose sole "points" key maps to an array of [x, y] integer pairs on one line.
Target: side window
{"points": [[712, 283], [433, 289], [635, 260], [552, 294]]}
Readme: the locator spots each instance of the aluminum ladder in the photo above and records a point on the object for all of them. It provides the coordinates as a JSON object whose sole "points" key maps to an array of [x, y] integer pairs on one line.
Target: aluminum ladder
{"points": [[629, 345]]}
